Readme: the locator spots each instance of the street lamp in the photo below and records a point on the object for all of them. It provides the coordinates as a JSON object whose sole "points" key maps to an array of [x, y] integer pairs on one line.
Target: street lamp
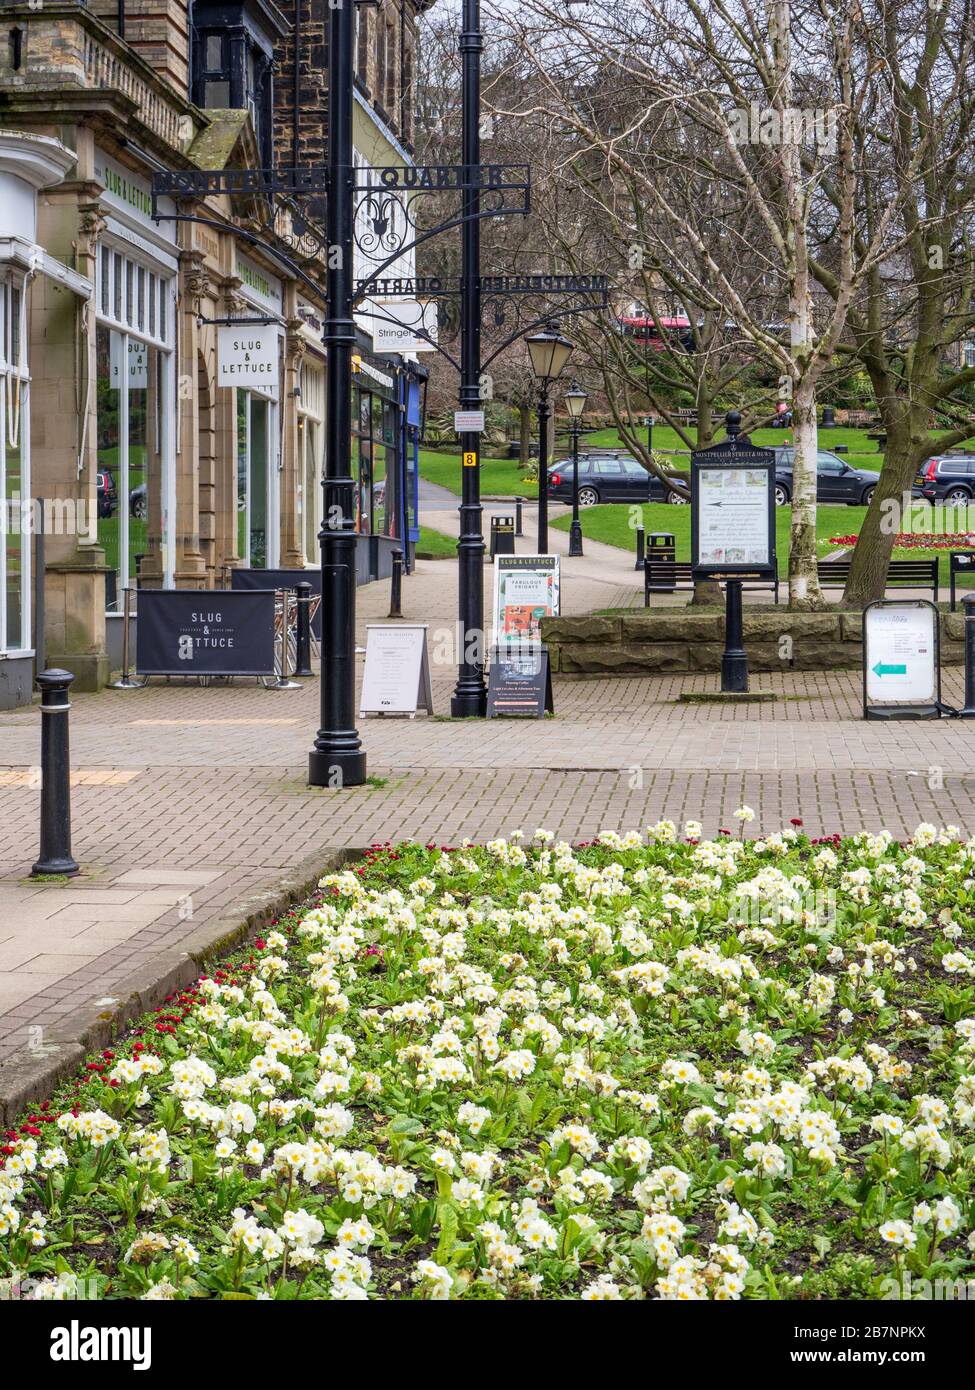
{"points": [[650, 424], [575, 404], [549, 352], [337, 758]]}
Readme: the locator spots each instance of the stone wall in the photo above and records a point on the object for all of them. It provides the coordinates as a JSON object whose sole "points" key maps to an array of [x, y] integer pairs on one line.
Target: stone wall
{"points": [[679, 640]]}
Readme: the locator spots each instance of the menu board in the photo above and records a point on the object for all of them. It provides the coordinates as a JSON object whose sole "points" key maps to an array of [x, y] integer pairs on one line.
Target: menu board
{"points": [[396, 679], [526, 590], [733, 510]]}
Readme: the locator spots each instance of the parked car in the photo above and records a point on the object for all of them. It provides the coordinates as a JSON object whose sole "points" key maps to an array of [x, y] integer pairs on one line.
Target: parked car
{"points": [[106, 493], [139, 502], [948, 478], [611, 478], [836, 480]]}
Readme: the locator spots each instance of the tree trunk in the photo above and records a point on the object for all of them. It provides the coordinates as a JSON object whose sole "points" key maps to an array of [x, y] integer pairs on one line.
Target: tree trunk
{"points": [[884, 519], [906, 437], [525, 432], [804, 590]]}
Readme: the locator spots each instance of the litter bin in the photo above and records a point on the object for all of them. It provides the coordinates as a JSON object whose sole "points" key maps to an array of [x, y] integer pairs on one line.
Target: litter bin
{"points": [[829, 418], [660, 559], [502, 535]]}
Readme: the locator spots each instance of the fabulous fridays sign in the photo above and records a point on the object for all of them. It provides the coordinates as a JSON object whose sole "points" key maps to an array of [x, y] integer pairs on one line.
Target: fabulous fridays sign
{"points": [[526, 590], [205, 632]]}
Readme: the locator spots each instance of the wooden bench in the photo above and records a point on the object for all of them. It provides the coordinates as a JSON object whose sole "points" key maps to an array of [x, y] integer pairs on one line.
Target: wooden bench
{"points": [[901, 574], [663, 576]]}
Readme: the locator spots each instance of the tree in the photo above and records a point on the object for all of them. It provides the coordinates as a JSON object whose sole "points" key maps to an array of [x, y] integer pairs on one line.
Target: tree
{"points": [[767, 97]]}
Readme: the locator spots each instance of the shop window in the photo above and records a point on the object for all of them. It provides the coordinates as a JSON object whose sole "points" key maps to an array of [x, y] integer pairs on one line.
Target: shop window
{"points": [[14, 468], [133, 423], [311, 457], [376, 451], [254, 474]]}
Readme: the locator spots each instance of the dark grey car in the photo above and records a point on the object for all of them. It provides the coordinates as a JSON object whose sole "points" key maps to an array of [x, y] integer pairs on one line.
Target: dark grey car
{"points": [[611, 478], [836, 480]]}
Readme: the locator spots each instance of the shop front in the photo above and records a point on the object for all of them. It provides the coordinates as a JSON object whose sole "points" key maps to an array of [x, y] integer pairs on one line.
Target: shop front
{"points": [[135, 392], [28, 163], [384, 461], [250, 353]]}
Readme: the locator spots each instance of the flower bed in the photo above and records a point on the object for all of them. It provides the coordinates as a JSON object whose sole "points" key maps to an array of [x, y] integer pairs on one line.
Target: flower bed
{"points": [[649, 1067], [908, 540]]}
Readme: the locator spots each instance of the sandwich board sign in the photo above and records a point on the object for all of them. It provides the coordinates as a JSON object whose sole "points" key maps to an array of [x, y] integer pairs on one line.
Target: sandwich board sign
{"points": [[520, 682], [396, 679], [526, 590], [901, 660]]}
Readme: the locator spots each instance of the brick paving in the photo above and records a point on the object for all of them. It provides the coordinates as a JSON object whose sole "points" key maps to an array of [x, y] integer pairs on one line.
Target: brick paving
{"points": [[188, 799]]}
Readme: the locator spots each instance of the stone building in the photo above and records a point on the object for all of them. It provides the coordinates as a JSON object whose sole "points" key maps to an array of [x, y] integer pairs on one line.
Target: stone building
{"points": [[133, 437]]}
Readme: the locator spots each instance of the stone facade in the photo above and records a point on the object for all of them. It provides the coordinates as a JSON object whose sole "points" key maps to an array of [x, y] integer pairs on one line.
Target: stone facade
{"points": [[120, 105], [677, 641]]}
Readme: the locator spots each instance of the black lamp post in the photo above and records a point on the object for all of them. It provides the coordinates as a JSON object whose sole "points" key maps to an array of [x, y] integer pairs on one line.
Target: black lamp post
{"points": [[650, 424], [549, 352], [575, 403], [337, 758], [469, 699]]}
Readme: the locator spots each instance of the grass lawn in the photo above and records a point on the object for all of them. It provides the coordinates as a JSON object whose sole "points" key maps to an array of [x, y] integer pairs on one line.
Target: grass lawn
{"points": [[503, 476], [499, 477], [615, 524], [434, 545]]}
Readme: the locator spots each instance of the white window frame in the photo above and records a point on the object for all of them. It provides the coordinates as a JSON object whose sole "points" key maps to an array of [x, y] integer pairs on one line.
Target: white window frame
{"points": [[15, 377], [138, 301]]}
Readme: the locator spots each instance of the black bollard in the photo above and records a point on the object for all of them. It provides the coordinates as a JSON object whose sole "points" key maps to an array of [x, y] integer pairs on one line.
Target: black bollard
{"points": [[396, 586], [969, 711], [55, 776], [303, 631], [517, 516], [640, 542], [734, 661]]}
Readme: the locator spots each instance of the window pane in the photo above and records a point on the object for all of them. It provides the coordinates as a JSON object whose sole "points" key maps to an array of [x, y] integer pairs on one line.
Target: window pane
{"points": [[153, 292], [133, 479], [109, 379], [216, 94], [117, 298], [258, 482], [242, 474], [15, 493], [214, 52], [106, 278], [141, 300]]}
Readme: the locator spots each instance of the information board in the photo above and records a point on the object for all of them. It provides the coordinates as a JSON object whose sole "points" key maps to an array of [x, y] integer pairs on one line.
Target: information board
{"points": [[205, 632], [526, 590], [733, 510], [901, 668], [396, 679]]}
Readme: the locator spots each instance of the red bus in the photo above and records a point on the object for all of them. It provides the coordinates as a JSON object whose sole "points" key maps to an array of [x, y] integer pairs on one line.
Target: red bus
{"points": [[658, 333]]}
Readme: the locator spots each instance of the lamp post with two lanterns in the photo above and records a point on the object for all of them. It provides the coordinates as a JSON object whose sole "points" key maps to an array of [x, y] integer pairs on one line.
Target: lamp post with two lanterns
{"points": [[575, 403], [548, 352]]}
